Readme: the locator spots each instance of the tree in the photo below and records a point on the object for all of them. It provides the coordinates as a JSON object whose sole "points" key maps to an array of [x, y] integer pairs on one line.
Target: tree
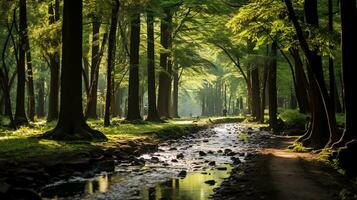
{"points": [[20, 114], [111, 61], [164, 76], [71, 124], [152, 112], [349, 42], [92, 97], [53, 11], [30, 86], [133, 93], [273, 107]]}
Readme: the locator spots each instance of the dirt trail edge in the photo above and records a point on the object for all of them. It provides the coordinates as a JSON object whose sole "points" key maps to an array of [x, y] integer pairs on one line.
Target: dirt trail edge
{"points": [[273, 172]]}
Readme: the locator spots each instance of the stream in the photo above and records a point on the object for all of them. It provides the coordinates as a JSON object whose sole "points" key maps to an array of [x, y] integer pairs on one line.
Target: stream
{"points": [[189, 168]]}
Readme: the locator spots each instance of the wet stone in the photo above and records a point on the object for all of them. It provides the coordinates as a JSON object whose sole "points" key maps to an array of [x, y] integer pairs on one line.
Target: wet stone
{"points": [[226, 151], [212, 163], [182, 174], [222, 168], [180, 156], [202, 153], [210, 182], [155, 159]]}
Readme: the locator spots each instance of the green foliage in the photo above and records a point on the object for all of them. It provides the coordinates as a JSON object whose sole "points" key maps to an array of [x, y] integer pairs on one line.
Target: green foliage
{"points": [[341, 119], [345, 194], [243, 137], [293, 119], [298, 147]]}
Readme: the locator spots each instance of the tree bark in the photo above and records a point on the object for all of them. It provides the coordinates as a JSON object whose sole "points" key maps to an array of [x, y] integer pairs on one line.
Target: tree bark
{"points": [[133, 93], [164, 77], [273, 104], [20, 114], [41, 98], [256, 104], [349, 42], [323, 118], [111, 61], [152, 111], [175, 95], [54, 69], [94, 72], [71, 124], [301, 83]]}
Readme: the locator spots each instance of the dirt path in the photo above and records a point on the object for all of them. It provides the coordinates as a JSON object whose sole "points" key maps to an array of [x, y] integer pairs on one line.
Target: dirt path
{"points": [[279, 174], [290, 176]]}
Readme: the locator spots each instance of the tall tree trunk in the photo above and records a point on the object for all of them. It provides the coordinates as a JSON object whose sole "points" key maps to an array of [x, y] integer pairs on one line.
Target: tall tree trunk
{"points": [[41, 98], [349, 42], [256, 104], [323, 118], [71, 124], [175, 94], [94, 72], [249, 92], [263, 94], [301, 83], [30, 86], [31, 92], [133, 93], [273, 104], [54, 69], [152, 112], [331, 70], [164, 76], [111, 61], [20, 114]]}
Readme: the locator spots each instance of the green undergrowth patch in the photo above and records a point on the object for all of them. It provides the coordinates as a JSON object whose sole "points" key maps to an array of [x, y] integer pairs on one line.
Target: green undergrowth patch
{"points": [[293, 119], [25, 144], [243, 137], [298, 147]]}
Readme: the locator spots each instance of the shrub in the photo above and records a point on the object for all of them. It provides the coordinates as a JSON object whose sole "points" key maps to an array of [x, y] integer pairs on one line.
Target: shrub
{"points": [[294, 119]]}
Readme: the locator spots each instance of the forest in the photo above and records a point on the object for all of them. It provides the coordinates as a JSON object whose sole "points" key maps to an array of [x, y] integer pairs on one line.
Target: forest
{"points": [[177, 99]]}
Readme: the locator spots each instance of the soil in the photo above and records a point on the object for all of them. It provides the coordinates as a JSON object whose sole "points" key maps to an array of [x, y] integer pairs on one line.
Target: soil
{"points": [[276, 173]]}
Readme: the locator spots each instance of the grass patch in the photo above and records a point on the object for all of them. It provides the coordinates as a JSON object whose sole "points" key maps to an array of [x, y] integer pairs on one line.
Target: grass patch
{"points": [[298, 147], [243, 137], [24, 144]]}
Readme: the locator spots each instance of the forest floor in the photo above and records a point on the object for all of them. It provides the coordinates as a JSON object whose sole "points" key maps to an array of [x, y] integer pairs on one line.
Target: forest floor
{"points": [[276, 172], [27, 161]]}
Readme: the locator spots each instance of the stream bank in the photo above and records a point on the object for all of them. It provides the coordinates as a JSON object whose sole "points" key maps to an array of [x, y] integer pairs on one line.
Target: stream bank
{"points": [[28, 176]]}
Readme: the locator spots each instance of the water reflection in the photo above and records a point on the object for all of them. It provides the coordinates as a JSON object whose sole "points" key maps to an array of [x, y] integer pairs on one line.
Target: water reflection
{"points": [[192, 187], [157, 181], [78, 187]]}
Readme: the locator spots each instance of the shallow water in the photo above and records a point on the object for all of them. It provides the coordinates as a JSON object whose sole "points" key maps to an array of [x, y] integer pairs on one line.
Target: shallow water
{"points": [[159, 179]]}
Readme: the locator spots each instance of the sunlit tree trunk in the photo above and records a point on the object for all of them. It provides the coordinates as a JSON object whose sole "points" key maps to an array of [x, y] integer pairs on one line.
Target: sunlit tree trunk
{"points": [[94, 72], [54, 69], [20, 114], [256, 104], [40, 98], [71, 124], [164, 76], [152, 111], [134, 83], [301, 83], [111, 61]]}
